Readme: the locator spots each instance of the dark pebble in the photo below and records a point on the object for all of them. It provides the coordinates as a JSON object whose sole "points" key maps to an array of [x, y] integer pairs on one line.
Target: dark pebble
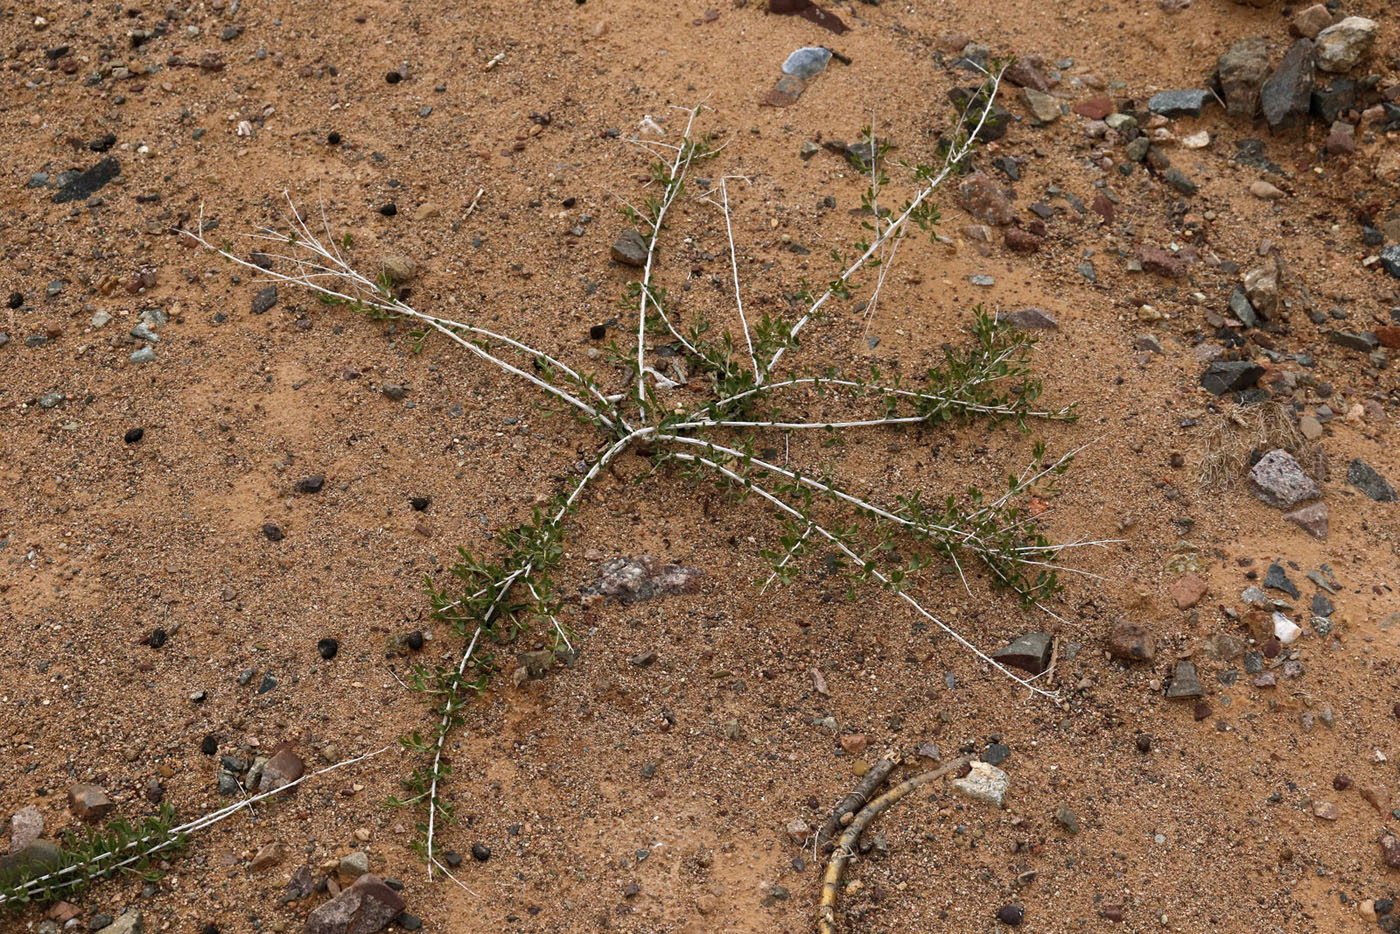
{"points": [[393, 77], [16, 299], [1384, 906], [414, 640], [481, 852], [419, 503], [210, 745], [134, 435], [1144, 743], [103, 143], [389, 210], [333, 138], [570, 202], [452, 858], [409, 922], [310, 484], [1011, 915], [597, 332], [157, 638], [273, 532], [210, 929], [328, 648]]}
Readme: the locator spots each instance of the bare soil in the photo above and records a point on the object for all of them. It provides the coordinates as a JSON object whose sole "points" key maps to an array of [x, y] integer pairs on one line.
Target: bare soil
{"points": [[105, 541]]}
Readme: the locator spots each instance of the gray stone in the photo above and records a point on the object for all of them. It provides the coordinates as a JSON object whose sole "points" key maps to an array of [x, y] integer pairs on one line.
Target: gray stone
{"points": [[1241, 73], [1334, 99], [1065, 817], [264, 300], [398, 268], [1311, 519], [1185, 103], [1365, 341], [1390, 260], [1241, 309], [1277, 579], [1341, 47], [352, 866], [1321, 606], [1364, 477], [807, 62], [228, 784], [1030, 319], [630, 580], [985, 783], [1029, 653], [1179, 181], [38, 857], [365, 907], [129, 923], [1279, 480], [51, 400], [86, 184], [143, 332], [1185, 683], [1287, 95], [630, 249], [1224, 376], [1043, 107]]}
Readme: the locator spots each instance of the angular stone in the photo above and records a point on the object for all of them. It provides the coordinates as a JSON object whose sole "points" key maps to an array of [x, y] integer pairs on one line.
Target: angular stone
{"points": [[1163, 263], [1180, 181], [983, 199], [807, 62], [1277, 579], [266, 857], [1224, 376], [86, 184], [1365, 342], [985, 783], [1341, 139], [352, 866], [783, 94], [1390, 851], [35, 859], [630, 580], [1187, 591], [1261, 288], [1286, 96], [1390, 260], [1021, 241], [1241, 309], [1030, 319], [1185, 683], [264, 300], [1308, 23], [1030, 653], [1341, 47], [1066, 818], [1185, 103], [1096, 108], [1279, 480], [282, 769], [1042, 107], [1132, 642], [630, 249], [1241, 72], [26, 826], [1223, 646], [1364, 477], [365, 907], [88, 802], [1333, 99], [1028, 71]]}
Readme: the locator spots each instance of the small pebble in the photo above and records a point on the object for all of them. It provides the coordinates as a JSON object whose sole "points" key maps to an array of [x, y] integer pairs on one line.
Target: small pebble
{"points": [[481, 852], [389, 210], [333, 138], [328, 648], [210, 745], [157, 638], [414, 640], [1011, 915], [134, 435]]}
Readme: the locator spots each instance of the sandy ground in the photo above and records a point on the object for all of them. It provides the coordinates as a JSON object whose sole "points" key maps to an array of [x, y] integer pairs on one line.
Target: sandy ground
{"points": [[612, 796]]}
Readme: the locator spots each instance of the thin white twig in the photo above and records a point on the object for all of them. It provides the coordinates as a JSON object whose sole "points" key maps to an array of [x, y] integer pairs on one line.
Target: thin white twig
{"points": [[734, 264]]}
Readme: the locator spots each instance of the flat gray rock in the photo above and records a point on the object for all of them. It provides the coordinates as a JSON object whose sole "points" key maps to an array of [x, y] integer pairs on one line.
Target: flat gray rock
{"points": [[1279, 480], [1364, 477], [1185, 103], [807, 62]]}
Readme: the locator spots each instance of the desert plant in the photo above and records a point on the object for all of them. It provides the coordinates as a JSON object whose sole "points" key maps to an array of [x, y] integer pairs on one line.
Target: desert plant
{"points": [[485, 600]]}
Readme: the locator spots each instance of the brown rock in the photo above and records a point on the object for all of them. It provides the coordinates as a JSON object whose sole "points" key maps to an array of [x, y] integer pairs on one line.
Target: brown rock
{"points": [[1390, 851], [984, 200], [1021, 241], [1308, 23], [63, 912], [282, 769], [1103, 207], [1388, 335], [630, 249], [88, 802], [1202, 710], [363, 908], [1342, 782], [1095, 108], [1028, 71], [1311, 519], [1325, 810], [267, 857], [1133, 642], [1160, 262], [1377, 797], [853, 744], [785, 93], [1186, 591]]}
